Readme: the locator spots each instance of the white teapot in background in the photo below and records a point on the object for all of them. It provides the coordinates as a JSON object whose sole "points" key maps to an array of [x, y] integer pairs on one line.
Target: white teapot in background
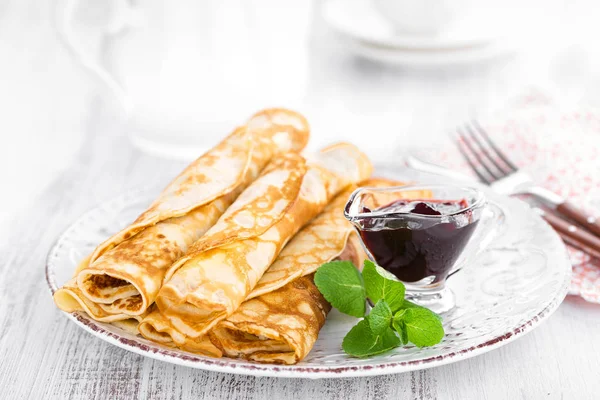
{"points": [[186, 71]]}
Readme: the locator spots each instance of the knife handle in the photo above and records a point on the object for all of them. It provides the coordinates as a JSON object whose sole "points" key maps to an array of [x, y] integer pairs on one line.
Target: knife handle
{"points": [[575, 213], [574, 235]]}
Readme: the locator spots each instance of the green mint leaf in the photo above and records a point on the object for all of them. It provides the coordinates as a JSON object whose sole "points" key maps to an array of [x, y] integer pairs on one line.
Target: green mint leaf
{"points": [[400, 327], [423, 327], [359, 341], [362, 342], [380, 317], [408, 304], [380, 284], [342, 286]]}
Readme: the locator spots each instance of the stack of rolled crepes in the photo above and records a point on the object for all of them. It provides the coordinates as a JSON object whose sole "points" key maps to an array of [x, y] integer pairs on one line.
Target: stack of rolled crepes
{"points": [[208, 267], [122, 277]]}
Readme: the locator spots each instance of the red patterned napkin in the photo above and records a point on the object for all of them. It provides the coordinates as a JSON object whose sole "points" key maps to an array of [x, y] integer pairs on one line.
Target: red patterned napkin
{"points": [[561, 150]]}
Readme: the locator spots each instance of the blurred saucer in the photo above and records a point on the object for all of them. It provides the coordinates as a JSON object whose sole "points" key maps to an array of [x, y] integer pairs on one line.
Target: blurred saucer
{"points": [[431, 58], [359, 20]]}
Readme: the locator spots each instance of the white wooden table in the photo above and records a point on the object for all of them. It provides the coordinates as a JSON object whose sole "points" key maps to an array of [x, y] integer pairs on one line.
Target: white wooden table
{"points": [[62, 151]]}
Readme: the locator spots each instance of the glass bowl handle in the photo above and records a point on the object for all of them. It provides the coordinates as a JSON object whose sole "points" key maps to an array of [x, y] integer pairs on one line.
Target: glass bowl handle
{"points": [[487, 229]]}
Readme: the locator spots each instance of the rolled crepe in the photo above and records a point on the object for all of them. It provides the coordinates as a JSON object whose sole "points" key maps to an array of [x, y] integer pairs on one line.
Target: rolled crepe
{"points": [[280, 327], [126, 271], [221, 269], [71, 299]]}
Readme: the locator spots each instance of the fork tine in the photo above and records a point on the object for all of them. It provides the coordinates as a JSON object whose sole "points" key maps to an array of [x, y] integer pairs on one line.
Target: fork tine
{"points": [[479, 156], [464, 152], [486, 154], [489, 141]]}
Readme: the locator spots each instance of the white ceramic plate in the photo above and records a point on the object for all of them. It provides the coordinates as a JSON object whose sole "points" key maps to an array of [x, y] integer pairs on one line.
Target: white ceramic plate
{"points": [[514, 285]]}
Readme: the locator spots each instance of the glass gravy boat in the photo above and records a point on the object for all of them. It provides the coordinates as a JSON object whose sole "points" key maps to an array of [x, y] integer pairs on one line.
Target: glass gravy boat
{"points": [[422, 234]]}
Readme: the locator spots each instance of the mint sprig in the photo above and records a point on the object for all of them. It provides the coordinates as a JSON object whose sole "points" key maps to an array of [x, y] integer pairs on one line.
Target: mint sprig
{"points": [[392, 322]]}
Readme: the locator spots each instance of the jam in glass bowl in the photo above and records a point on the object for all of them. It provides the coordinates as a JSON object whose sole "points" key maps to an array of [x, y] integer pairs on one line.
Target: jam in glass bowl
{"points": [[419, 234]]}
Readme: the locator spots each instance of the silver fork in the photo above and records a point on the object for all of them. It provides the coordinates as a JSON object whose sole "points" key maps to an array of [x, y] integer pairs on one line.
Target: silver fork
{"points": [[494, 168]]}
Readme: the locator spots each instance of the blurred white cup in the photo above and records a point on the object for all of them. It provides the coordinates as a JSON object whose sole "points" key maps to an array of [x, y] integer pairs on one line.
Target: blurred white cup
{"points": [[423, 17]]}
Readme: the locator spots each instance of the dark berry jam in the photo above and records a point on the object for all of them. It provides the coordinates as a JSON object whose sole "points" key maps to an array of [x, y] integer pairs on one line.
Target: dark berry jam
{"points": [[404, 241]]}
